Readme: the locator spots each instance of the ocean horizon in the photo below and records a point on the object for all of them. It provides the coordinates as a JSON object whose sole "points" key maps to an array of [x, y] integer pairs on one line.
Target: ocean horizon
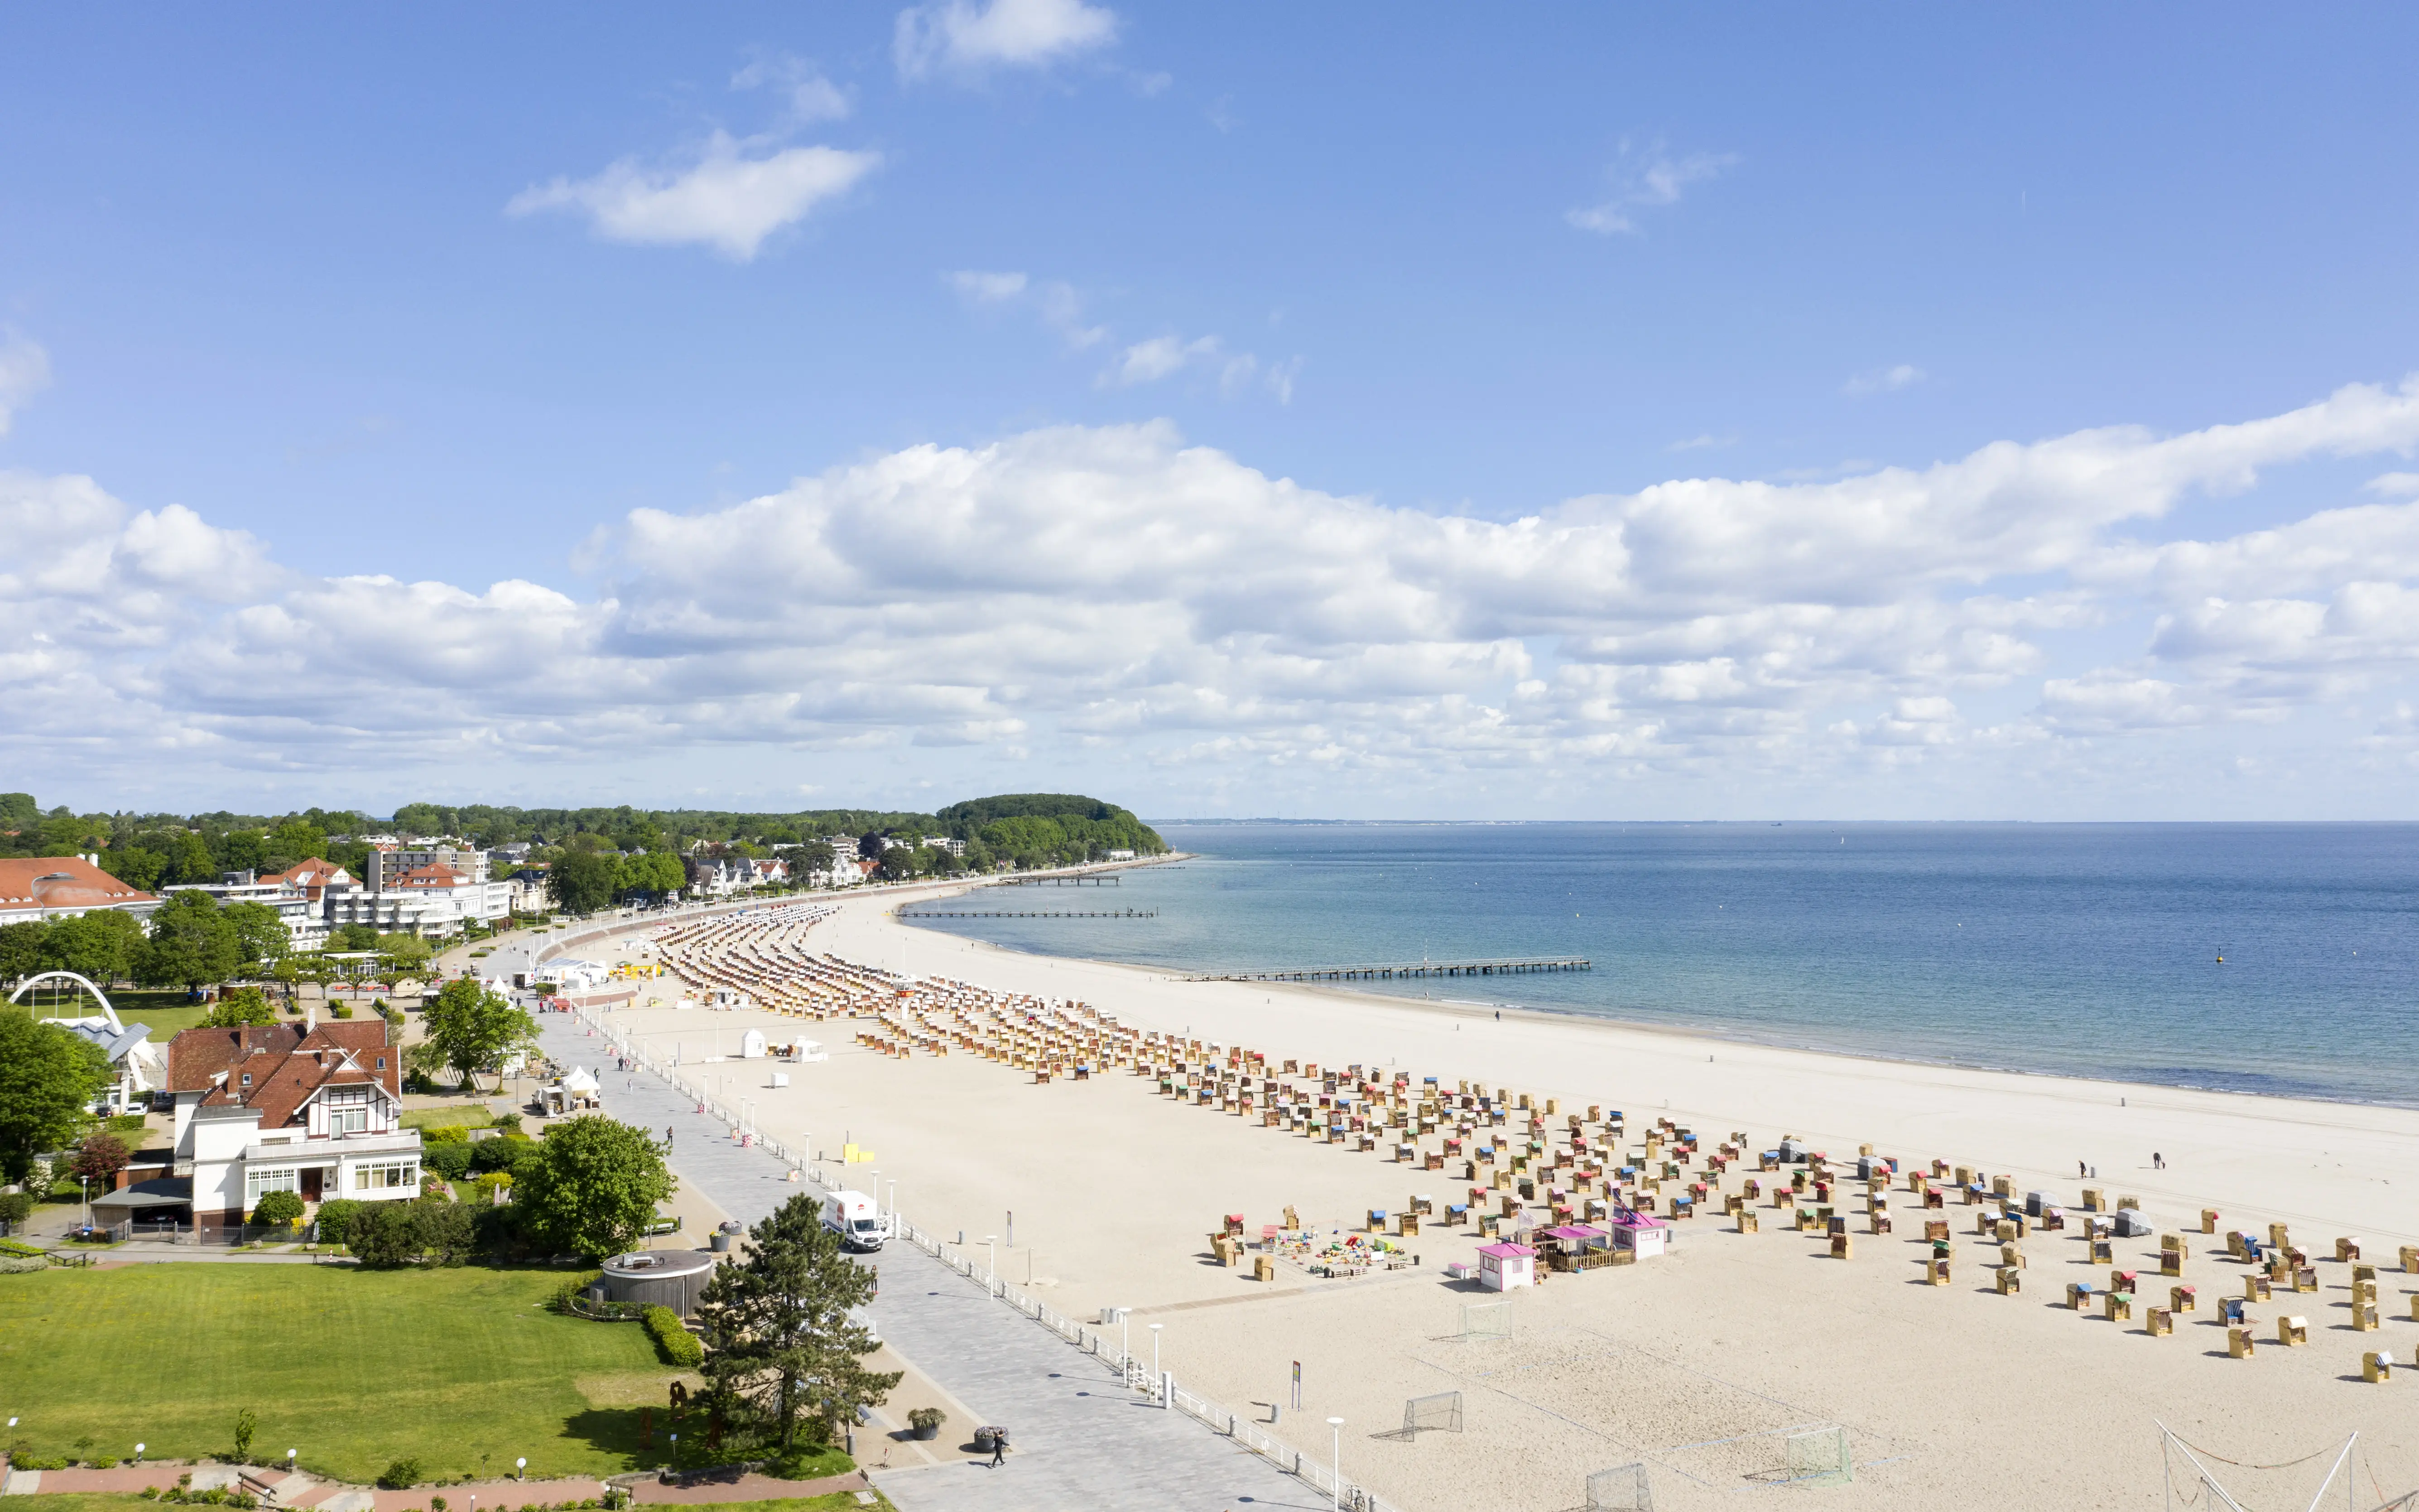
{"points": [[2273, 959]]}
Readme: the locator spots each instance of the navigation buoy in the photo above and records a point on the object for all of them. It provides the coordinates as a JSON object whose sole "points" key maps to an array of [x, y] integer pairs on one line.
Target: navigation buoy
{"points": [[2221, 961]]}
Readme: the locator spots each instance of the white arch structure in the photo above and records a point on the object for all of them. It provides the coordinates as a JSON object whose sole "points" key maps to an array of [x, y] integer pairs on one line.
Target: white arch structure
{"points": [[86, 982]]}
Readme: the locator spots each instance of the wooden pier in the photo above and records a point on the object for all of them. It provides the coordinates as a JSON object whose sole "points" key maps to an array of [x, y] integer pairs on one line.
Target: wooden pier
{"points": [[1509, 967], [1009, 912]]}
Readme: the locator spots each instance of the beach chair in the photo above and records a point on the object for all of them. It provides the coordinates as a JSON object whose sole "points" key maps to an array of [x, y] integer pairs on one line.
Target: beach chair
{"points": [[2104, 1252], [2238, 1343], [2410, 1259], [2183, 1299], [1843, 1247], [1935, 1271], [1456, 1213], [2346, 1249], [2124, 1204], [2003, 1186], [1747, 1224], [2004, 1230], [2119, 1305], [2011, 1279], [1964, 1176], [2377, 1367], [1935, 1229], [2078, 1296], [1934, 1197], [1377, 1219], [2279, 1236], [2293, 1330], [2414, 1306], [2306, 1279], [1881, 1223], [1408, 1225], [2123, 1281], [2093, 1201], [2209, 1219], [1435, 1162], [2162, 1322], [2364, 1318], [2229, 1309], [2011, 1257]]}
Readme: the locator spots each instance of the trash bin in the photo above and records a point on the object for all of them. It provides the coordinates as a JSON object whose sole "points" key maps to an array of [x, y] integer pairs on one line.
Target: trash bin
{"points": [[721, 1243]]}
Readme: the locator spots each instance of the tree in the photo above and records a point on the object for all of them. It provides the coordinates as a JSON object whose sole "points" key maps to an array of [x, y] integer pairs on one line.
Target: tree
{"points": [[47, 1076], [260, 935], [296, 840], [20, 949], [19, 812], [243, 850], [581, 881], [408, 955], [191, 945], [99, 946], [780, 1329], [240, 1007], [593, 1188], [383, 1234], [99, 1158], [188, 859], [472, 1029], [133, 865]]}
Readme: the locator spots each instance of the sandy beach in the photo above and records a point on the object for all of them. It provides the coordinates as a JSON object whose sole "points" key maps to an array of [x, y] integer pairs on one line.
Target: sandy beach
{"points": [[1689, 1363]]}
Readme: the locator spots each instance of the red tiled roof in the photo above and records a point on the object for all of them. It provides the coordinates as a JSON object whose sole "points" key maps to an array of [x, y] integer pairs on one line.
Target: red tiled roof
{"points": [[435, 874], [63, 882], [285, 1062]]}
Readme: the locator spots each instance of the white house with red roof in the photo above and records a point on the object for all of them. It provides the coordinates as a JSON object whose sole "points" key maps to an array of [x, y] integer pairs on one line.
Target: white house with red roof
{"points": [[423, 892], [33, 888], [311, 1108]]}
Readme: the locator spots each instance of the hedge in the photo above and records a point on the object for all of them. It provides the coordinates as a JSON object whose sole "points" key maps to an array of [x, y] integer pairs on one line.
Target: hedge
{"points": [[677, 1344]]}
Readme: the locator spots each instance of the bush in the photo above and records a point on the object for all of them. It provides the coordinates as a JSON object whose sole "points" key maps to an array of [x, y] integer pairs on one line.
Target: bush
{"points": [[125, 1123], [927, 1417], [509, 1123], [449, 1161], [444, 1133], [443, 1228], [401, 1476], [341, 1011], [677, 1344], [336, 1216], [16, 1207], [279, 1210], [383, 1234]]}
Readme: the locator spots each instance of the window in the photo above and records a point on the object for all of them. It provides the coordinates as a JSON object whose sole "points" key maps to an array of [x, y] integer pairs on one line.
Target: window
{"points": [[247, 1078], [381, 1065], [348, 1110], [255, 1183], [385, 1177]]}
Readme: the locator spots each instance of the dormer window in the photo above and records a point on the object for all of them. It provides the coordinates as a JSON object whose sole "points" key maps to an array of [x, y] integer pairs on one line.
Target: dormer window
{"points": [[381, 1062]]}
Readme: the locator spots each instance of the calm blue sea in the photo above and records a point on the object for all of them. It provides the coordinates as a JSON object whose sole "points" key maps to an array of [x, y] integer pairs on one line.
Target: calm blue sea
{"points": [[2085, 949]]}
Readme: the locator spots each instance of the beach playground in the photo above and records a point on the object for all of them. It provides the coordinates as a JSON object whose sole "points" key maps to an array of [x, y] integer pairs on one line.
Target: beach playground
{"points": [[1747, 1271]]}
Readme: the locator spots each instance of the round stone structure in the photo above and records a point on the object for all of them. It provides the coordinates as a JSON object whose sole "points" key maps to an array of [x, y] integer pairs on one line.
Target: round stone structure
{"points": [[660, 1277]]}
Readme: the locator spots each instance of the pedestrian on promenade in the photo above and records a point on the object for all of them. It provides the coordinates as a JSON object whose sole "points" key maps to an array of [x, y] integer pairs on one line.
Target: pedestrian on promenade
{"points": [[998, 1449]]}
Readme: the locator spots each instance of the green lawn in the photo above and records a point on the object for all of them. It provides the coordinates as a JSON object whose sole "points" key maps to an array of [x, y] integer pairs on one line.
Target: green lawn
{"points": [[462, 1369], [475, 1115]]}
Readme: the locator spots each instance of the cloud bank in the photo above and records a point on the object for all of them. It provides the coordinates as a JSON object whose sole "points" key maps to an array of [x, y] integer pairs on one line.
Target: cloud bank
{"points": [[1114, 595]]}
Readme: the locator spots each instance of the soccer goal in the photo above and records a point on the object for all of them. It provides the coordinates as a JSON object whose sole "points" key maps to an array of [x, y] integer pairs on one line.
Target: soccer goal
{"points": [[1441, 1413], [1819, 1457], [1622, 1489], [1485, 1320]]}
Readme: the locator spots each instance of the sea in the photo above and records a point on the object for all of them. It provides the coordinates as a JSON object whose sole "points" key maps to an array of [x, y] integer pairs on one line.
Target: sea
{"points": [[2273, 959]]}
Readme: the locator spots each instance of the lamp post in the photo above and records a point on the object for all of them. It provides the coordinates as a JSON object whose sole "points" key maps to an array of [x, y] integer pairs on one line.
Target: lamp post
{"points": [[1335, 1488], [138, 1451], [289, 1461], [520, 1468], [1154, 1350], [991, 1251]]}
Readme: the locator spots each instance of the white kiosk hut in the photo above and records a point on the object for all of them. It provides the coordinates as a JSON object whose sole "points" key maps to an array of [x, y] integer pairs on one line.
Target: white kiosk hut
{"points": [[660, 1277], [1506, 1266]]}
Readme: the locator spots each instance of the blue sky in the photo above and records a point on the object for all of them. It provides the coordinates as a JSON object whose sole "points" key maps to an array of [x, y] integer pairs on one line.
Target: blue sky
{"points": [[573, 303]]}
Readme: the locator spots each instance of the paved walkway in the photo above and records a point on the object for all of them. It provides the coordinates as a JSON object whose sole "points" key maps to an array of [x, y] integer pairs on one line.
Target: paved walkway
{"points": [[1079, 1438]]}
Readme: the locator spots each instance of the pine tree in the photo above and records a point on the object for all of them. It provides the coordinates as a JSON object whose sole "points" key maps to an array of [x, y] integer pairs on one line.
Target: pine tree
{"points": [[779, 1329]]}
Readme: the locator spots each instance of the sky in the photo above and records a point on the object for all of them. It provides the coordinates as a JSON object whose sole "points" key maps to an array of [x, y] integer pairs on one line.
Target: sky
{"points": [[1563, 413]]}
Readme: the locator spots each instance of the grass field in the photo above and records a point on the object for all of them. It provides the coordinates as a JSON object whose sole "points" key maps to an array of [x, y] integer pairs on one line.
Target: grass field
{"points": [[473, 1115], [463, 1370]]}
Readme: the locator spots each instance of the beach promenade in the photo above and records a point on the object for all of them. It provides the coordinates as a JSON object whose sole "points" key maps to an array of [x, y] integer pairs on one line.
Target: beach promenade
{"points": [[1079, 1438]]}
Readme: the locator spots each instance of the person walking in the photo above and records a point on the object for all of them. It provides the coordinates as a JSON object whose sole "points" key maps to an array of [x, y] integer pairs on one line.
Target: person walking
{"points": [[2157, 1161], [2081, 1171], [998, 1448]]}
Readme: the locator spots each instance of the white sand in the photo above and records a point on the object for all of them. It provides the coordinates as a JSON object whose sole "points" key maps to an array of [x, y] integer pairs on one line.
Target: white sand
{"points": [[1951, 1394]]}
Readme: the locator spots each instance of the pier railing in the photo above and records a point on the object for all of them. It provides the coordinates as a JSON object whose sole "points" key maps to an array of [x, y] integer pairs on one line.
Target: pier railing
{"points": [[1376, 971], [1084, 1336]]}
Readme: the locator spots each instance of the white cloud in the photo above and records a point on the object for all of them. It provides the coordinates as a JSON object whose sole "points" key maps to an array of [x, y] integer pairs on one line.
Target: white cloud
{"points": [[1147, 362], [24, 371], [1116, 596], [1886, 381], [807, 96], [1645, 178], [958, 36], [1057, 305], [726, 199], [2394, 484]]}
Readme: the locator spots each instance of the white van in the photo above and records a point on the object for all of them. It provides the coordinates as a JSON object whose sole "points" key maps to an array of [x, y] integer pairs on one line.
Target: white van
{"points": [[856, 1219]]}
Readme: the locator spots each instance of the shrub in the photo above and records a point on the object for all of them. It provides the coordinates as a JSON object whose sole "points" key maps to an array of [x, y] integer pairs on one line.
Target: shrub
{"points": [[383, 1234], [450, 1162], [401, 1476], [444, 1133], [125, 1123], [280, 1210], [341, 1011], [16, 1207], [509, 1123], [927, 1417], [244, 1424], [336, 1216], [677, 1344], [443, 1228]]}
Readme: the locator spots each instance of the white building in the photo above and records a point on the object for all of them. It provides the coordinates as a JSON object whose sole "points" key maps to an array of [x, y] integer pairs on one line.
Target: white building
{"points": [[424, 893], [36, 889], [313, 1109]]}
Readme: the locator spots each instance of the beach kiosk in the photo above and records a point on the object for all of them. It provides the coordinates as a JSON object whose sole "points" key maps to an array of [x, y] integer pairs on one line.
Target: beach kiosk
{"points": [[752, 1045], [1642, 1234], [1506, 1266]]}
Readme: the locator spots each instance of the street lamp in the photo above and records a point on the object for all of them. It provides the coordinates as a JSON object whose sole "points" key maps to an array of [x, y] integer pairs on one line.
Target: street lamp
{"points": [[289, 1461], [1335, 1488], [1154, 1350], [991, 1248], [520, 1468]]}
